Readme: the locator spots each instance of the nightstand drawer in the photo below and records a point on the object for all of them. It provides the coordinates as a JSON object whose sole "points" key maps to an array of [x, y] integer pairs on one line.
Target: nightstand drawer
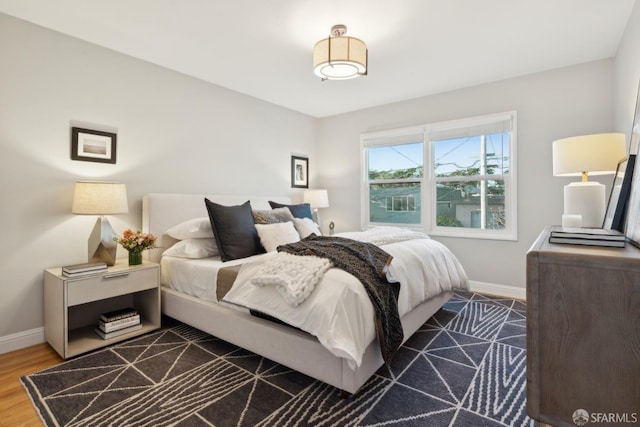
{"points": [[110, 285]]}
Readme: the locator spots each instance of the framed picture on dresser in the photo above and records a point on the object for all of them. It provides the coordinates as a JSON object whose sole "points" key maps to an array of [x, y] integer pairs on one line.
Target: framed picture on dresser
{"points": [[632, 230], [616, 213], [633, 214]]}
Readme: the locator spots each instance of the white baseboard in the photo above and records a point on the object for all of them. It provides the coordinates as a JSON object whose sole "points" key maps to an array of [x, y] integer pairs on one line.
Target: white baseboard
{"points": [[36, 336], [499, 290], [21, 340]]}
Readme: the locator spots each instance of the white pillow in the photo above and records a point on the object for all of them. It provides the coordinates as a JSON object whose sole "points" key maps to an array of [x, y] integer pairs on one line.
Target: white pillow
{"points": [[274, 235], [305, 227], [193, 248], [196, 228]]}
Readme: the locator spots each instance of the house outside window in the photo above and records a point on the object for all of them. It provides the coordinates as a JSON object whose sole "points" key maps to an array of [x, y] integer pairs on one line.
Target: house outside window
{"points": [[468, 188], [401, 203]]}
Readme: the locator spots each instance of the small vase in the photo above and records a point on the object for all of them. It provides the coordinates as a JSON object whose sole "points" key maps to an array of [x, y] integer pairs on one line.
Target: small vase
{"points": [[135, 258]]}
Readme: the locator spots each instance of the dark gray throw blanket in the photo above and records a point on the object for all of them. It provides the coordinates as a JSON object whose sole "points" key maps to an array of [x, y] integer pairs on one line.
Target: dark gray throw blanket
{"points": [[367, 263]]}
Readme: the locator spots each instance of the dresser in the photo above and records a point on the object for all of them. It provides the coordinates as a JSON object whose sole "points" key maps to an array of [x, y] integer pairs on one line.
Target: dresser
{"points": [[583, 333]]}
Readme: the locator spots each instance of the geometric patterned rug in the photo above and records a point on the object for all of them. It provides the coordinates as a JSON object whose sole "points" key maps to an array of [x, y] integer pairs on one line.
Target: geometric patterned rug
{"points": [[464, 367]]}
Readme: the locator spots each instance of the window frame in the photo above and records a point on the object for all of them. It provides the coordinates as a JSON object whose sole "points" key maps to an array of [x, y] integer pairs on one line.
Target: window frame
{"points": [[385, 139], [428, 182]]}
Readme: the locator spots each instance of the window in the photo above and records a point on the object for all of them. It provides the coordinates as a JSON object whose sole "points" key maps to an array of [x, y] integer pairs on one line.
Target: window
{"points": [[468, 187], [394, 179]]}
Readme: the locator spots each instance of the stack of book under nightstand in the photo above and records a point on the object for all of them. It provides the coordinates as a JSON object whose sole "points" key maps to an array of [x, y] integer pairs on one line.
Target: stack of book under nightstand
{"points": [[118, 322]]}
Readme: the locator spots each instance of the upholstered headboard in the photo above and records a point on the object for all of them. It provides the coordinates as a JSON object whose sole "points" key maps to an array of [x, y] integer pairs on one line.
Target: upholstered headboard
{"points": [[161, 211]]}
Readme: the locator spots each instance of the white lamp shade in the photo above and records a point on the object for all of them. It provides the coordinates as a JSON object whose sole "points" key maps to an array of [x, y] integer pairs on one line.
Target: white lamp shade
{"points": [[597, 154], [317, 198], [99, 198], [339, 58]]}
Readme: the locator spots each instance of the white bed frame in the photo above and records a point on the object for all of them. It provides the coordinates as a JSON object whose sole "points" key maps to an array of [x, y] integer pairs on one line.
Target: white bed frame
{"points": [[287, 346]]}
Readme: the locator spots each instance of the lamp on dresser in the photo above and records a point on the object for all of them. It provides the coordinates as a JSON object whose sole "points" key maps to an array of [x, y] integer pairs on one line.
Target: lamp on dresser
{"points": [[100, 198], [317, 199], [585, 155]]}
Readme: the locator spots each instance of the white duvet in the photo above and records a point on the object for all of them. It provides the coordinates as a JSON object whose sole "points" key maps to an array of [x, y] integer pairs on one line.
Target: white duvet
{"points": [[338, 311]]}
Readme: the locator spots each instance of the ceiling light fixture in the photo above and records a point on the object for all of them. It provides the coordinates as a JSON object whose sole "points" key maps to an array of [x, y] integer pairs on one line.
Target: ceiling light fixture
{"points": [[339, 57]]}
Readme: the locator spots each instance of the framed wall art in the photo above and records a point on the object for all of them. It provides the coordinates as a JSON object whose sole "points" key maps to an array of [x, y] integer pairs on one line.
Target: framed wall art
{"points": [[93, 145], [299, 172]]}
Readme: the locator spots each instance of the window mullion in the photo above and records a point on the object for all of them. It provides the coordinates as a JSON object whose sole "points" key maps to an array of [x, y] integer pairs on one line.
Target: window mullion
{"points": [[395, 181], [470, 178], [483, 183]]}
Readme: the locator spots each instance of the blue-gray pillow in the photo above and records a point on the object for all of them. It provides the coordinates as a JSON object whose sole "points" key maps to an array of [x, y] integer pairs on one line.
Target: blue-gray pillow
{"points": [[234, 230], [303, 210]]}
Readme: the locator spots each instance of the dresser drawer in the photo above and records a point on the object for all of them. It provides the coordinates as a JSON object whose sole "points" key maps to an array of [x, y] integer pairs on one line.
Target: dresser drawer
{"points": [[110, 285]]}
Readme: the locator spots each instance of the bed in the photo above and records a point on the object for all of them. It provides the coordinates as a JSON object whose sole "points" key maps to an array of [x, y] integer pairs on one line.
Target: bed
{"points": [[288, 346]]}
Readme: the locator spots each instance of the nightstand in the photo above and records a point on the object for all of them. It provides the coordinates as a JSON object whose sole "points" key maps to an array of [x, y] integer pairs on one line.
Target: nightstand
{"points": [[72, 306]]}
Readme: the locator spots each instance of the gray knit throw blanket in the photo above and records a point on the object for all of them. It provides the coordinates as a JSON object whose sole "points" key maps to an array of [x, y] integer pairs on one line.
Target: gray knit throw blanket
{"points": [[367, 262]]}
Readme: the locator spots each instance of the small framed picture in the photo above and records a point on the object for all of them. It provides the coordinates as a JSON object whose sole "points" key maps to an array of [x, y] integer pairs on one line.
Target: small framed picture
{"points": [[93, 145], [616, 214], [299, 172]]}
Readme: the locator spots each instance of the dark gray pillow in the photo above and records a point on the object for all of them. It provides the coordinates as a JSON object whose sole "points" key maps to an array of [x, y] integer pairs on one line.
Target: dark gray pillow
{"points": [[234, 230], [302, 210], [272, 216]]}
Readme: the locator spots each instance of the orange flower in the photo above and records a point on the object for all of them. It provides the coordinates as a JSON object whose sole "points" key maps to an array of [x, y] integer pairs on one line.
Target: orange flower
{"points": [[136, 242]]}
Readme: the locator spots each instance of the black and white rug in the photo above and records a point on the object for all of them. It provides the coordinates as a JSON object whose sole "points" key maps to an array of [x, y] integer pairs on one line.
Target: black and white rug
{"points": [[464, 367]]}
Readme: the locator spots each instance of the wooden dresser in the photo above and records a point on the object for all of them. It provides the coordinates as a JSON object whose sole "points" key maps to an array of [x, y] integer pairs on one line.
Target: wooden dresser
{"points": [[583, 333]]}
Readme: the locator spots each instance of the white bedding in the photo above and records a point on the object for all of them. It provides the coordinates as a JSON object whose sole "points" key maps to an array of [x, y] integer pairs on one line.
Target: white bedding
{"points": [[293, 276], [339, 313], [197, 277]]}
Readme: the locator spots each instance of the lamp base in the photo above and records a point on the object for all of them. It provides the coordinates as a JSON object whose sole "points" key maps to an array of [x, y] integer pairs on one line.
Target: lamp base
{"points": [[316, 217], [102, 247], [586, 199]]}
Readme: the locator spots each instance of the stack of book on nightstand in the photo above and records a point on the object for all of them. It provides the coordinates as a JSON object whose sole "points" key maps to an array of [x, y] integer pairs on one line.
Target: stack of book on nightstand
{"points": [[587, 236], [77, 270], [118, 322]]}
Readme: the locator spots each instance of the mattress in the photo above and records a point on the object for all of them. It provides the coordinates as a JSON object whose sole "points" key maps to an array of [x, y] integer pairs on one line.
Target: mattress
{"points": [[197, 277]]}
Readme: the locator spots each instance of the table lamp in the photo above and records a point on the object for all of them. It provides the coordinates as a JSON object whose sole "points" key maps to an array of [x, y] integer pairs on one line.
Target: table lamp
{"points": [[317, 199], [100, 198], [585, 155]]}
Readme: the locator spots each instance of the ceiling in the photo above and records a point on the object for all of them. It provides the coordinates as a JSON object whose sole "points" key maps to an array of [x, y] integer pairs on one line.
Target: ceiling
{"points": [[263, 48]]}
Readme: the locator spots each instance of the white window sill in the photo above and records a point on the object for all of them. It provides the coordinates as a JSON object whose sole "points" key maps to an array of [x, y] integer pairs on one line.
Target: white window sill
{"points": [[467, 233]]}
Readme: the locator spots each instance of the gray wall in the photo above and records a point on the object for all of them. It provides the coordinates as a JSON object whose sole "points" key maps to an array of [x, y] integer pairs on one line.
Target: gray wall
{"points": [[179, 134], [555, 104], [628, 73], [175, 134]]}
